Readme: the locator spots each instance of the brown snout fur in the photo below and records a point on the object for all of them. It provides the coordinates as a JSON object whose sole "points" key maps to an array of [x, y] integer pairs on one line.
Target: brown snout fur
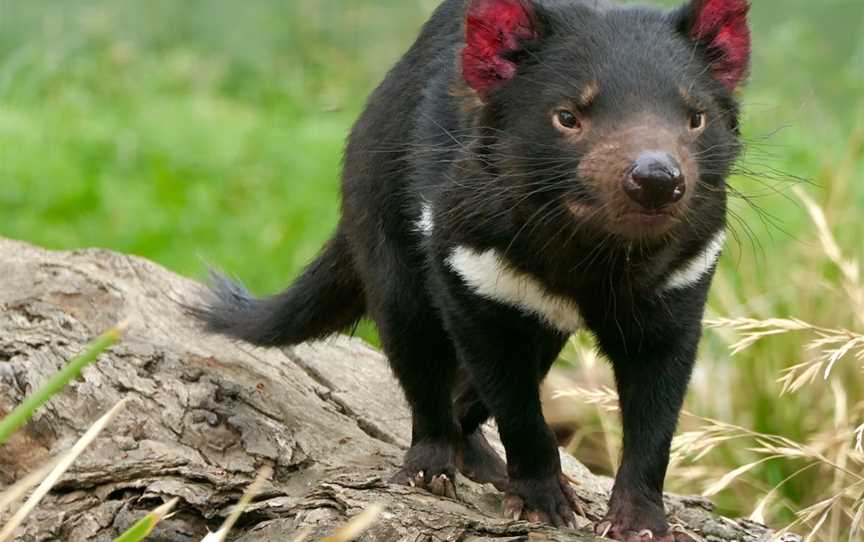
{"points": [[606, 165]]}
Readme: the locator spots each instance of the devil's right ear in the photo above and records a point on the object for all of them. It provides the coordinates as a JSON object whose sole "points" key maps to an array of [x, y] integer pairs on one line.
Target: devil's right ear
{"points": [[494, 30], [721, 27]]}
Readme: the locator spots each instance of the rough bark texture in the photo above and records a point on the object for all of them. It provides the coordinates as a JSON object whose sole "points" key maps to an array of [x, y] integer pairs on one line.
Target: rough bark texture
{"points": [[205, 414]]}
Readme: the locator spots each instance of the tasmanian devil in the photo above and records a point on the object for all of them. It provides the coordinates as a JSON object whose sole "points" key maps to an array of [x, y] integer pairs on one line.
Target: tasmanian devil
{"points": [[527, 169]]}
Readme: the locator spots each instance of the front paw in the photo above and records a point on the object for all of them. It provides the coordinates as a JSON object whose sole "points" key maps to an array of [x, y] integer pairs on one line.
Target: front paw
{"points": [[547, 500], [635, 520], [430, 466]]}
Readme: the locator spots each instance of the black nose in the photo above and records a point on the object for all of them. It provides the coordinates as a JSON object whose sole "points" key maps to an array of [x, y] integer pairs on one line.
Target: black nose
{"points": [[655, 180]]}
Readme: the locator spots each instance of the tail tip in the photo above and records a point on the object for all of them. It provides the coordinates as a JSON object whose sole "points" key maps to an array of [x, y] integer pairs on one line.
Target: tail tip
{"points": [[223, 301]]}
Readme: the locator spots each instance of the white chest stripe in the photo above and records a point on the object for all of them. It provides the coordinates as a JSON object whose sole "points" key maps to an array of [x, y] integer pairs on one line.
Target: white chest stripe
{"points": [[491, 277], [426, 223], [700, 265]]}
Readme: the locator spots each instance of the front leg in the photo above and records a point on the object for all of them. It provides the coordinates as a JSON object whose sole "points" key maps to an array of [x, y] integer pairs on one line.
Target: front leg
{"points": [[653, 353]]}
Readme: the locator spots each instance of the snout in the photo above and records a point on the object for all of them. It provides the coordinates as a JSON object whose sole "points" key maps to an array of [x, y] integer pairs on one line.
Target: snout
{"points": [[655, 181], [642, 180]]}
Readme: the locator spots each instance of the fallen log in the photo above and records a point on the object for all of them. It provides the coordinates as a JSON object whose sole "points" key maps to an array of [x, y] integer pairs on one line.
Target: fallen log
{"points": [[206, 414]]}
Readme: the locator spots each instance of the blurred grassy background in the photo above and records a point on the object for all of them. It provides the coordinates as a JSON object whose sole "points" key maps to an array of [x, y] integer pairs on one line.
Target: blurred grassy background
{"points": [[189, 131]]}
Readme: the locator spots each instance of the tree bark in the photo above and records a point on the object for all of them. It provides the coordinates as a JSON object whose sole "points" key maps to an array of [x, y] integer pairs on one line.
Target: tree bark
{"points": [[205, 414]]}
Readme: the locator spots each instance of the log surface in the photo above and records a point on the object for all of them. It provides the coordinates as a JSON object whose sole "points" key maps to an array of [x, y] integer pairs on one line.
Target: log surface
{"points": [[205, 414]]}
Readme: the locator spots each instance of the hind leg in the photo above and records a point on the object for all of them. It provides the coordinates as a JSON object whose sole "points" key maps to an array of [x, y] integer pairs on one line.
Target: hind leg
{"points": [[475, 457]]}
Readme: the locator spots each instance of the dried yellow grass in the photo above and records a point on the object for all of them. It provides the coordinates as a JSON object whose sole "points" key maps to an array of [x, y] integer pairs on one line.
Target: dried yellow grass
{"points": [[357, 526], [830, 346], [837, 450], [16, 491], [849, 268], [62, 466], [254, 489], [831, 454]]}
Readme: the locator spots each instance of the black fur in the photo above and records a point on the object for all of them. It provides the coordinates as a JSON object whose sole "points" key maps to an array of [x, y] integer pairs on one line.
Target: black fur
{"points": [[327, 297], [497, 175]]}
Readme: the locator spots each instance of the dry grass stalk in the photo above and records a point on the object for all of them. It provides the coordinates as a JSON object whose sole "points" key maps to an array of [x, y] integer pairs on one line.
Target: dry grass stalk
{"points": [[357, 526], [847, 465], [603, 397], [837, 451], [849, 268], [829, 462], [20, 488], [830, 346], [583, 352], [254, 489], [844, 505], [63, 465]]}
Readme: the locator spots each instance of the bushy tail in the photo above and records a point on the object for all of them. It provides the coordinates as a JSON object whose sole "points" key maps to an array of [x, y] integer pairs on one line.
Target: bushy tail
{"points": [[326, 298]]}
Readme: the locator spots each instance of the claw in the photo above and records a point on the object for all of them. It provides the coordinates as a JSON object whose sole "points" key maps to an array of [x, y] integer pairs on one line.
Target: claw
{"points": [[429, 466], [682, 534], [442, 486], [548, 500], [603, 528], [646, 533], [436, 486], [418, 480], [536, 517], [513, 507]]}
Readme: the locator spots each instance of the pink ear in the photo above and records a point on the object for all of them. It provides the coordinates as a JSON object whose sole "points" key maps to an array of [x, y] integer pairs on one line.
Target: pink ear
{"points": [[493, 29], [722, 26]]}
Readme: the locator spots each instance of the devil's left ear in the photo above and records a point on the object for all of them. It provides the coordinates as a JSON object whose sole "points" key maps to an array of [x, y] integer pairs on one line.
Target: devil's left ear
{"points": [[721, 27]]}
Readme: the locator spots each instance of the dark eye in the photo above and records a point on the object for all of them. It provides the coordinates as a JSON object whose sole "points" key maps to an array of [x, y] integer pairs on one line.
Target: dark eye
{"points": [[697, 121], [566, 120]]}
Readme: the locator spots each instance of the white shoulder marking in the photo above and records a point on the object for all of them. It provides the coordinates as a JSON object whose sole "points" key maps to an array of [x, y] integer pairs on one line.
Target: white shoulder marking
{"points": [[700, 265], [491, 277], [426, 223]]}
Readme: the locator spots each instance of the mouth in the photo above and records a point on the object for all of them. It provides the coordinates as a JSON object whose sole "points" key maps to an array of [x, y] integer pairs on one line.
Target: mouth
{"points": [[646, 223], [655, 216], [630, 223]]}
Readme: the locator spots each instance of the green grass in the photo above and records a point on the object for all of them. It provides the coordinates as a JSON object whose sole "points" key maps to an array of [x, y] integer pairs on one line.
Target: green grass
{"points": [[210, 131], [23, 412], [185, 131], [190, 131], [142, 529]]}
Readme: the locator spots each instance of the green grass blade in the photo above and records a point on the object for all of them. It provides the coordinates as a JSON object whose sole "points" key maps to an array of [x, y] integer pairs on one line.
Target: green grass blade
{"points": [[18, 417], [145, 526]]}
